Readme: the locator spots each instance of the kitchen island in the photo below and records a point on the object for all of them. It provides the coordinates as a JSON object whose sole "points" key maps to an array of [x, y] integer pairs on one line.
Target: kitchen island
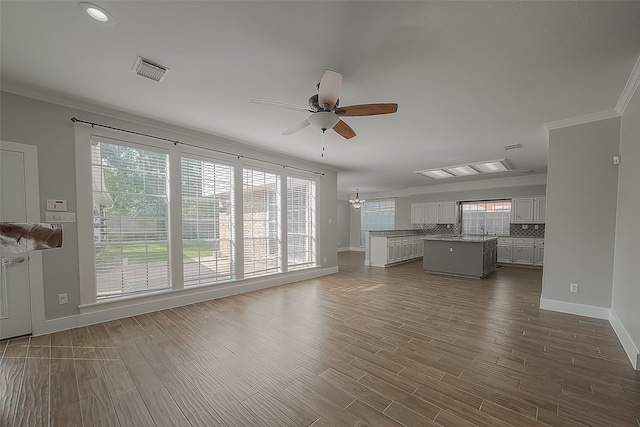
{"points": [[460, 255]]}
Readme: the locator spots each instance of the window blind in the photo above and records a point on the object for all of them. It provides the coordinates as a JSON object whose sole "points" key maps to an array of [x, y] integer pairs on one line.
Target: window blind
{"points": [[130, 218], [261, 222], [301, 223], [207, 222]]}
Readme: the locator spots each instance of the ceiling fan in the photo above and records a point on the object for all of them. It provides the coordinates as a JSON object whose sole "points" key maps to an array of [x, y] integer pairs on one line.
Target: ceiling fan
{"points": [[325, 111]]}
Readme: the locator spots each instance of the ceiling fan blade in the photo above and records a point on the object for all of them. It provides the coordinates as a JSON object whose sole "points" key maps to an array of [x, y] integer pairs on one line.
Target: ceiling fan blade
{"points": [[280, 104], [329, 89], [366, 110], [344, 130], [298, 126]]}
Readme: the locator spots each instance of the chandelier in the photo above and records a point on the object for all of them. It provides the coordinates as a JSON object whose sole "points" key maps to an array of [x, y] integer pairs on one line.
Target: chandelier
{"points": [[357, 202]]}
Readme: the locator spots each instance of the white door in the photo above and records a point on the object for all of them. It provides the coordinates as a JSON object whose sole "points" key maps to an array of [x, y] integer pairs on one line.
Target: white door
{"points": [[16, 205]]}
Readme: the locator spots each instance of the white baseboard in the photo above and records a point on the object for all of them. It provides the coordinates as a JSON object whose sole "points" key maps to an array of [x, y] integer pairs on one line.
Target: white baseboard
{"points": [[573, 308], [356, 249], [625, 339], [99, 313], [598, 313]]}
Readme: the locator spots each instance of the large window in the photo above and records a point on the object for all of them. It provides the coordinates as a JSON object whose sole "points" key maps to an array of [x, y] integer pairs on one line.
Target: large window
{"points": [[154, 219], [301, 223], [261, 222], [377, 215], [130, 218], [488, 217], [207, 221]]}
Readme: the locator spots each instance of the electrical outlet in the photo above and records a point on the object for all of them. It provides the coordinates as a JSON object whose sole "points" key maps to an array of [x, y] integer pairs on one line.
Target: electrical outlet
{"points": [[574, 287], [324, 259], [63, 299], [525, 226]]}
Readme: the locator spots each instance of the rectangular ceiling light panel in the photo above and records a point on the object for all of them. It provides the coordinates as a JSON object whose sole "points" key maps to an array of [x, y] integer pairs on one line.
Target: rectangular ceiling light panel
{"points": [[491, 166], [462, 170], [494, 166], [435, 174]]}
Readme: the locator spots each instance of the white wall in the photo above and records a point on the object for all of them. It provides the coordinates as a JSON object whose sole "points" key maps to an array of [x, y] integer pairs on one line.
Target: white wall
{"points": [[48, 127], [625, 304], [582, 184], [344, 221]]}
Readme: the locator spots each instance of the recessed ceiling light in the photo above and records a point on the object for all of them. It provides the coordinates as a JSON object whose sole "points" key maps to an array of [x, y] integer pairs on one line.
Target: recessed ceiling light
{"points": [[97, 13]]}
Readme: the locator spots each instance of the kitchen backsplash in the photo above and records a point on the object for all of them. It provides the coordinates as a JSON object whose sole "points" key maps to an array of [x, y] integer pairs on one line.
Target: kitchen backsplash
{"points": [[515, 229], [438, 228], [530, 231]]}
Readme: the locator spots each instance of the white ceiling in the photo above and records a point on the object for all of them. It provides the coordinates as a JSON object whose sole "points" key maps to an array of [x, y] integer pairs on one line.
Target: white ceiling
{"points": [[469, 77]]}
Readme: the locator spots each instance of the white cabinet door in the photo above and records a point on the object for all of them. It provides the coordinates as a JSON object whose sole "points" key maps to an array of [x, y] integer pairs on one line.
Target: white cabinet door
{"points": [[522, 211], [539, 255], [505, 253], [448, 213], [417, 213], [540, 210], [523, 254], [431, 213]]}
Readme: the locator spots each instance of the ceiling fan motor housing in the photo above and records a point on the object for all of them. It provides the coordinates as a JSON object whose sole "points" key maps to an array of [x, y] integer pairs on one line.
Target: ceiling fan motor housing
{"points": [[314, 104]]}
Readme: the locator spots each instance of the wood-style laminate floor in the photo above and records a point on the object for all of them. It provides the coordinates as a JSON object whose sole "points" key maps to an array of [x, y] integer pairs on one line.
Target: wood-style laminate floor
{"points": [[364, 347]]}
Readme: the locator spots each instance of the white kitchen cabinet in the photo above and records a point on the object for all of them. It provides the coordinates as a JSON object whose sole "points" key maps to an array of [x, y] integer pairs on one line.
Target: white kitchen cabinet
{"points": [[539, 210], [538, 256], [505, 250], [529, 210], [523, 251], [441, 213], [417, 213], [387, 250], [448, 212]]}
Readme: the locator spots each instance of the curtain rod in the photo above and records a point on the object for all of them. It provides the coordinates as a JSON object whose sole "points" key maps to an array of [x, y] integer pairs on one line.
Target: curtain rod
{"points": [[176, 142]]}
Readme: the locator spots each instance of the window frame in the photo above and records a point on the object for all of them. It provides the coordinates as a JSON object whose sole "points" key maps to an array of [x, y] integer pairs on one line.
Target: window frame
{"points": [[465, 230], [314, 224], [89, 305], [363, 232]]}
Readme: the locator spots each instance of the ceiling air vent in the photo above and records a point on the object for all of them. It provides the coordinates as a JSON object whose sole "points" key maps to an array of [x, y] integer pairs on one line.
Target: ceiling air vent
{"points": [[150, 70]]}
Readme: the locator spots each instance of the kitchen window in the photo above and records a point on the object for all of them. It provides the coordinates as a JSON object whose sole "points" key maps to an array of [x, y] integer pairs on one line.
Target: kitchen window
{"points": [[377, 215], [486, 217]]}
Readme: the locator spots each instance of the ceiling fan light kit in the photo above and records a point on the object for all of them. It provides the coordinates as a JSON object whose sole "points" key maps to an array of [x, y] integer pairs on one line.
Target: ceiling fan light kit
{"points": [[325, 113], [324, 120]]}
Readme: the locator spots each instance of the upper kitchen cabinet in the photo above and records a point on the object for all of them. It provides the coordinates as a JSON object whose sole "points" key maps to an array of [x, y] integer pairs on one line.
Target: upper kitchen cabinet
{"points": [[441, 213], [529, 210], [417, 213], [434, 213]]}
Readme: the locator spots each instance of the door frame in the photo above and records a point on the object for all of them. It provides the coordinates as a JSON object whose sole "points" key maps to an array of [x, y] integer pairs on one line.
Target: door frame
{"points": [[32, 190]]}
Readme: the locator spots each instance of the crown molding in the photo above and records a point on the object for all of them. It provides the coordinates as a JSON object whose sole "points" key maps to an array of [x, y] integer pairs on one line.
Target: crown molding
{"points": [[135, 118], [587, 118], [629, 89]]}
